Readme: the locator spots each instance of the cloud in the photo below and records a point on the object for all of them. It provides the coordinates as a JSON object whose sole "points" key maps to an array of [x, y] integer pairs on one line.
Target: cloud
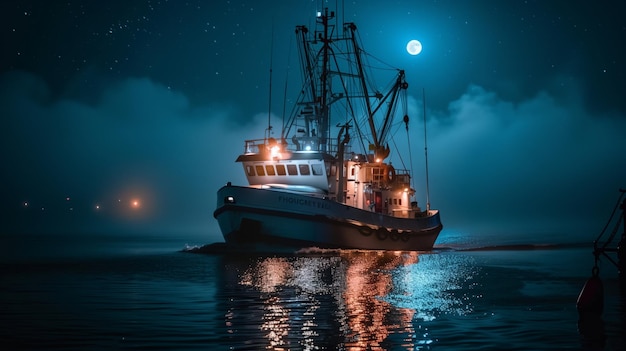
{"points": [[138, 140], [501, 167], [539, 165]]}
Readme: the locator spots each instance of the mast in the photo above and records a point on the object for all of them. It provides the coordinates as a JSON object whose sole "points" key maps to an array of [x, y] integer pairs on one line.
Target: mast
{"points": [[324, 120], [314, 105], [426, 152], [359, 63], [332, 74], [306, 60], [378, 136], [341, 143]]}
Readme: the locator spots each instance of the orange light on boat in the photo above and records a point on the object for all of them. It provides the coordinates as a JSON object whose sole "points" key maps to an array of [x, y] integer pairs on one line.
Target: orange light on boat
{"points": [[275, 151]]}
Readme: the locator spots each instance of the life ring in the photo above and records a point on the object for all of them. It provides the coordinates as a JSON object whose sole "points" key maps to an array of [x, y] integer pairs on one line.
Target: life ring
{"points": [[389, 174], [382, 233], [405, 237], [395, 235], [366, 231]]}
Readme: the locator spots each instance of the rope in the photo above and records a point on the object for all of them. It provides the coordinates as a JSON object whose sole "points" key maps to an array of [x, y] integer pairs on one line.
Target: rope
{"points": [[619, 200], [595, 271], [597, 251], [610, 239]]}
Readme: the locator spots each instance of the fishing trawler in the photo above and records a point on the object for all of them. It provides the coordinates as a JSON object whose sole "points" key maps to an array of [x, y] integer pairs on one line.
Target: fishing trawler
{"points": [[326, 182]]}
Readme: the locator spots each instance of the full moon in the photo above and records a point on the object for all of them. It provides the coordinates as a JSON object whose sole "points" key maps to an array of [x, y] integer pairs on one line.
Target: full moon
{"points": [[414, 47]]}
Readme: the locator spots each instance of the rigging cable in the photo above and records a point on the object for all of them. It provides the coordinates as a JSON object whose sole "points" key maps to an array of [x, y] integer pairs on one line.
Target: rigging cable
{"points": [[348, 93], [619, 200], [408, 138], [282, 129], [393, 141]]}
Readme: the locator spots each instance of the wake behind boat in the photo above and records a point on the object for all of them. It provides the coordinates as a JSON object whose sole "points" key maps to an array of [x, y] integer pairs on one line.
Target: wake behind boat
{"points": [[312, 186]]}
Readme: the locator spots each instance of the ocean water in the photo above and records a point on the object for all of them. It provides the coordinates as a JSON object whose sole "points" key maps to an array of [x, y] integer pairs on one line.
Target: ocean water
{"points": [[138, 293]]}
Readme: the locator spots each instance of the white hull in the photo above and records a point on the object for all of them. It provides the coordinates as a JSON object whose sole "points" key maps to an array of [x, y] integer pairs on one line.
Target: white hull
{"points": [[257, 218]]}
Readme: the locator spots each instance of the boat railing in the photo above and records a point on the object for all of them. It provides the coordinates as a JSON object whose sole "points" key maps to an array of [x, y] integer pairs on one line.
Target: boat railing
{"points": [[404, 213], [411, 213], [255, 146], [252, 146]]}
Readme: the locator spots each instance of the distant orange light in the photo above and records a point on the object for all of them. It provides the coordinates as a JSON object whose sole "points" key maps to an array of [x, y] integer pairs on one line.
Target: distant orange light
{"points": [[135, 204]]}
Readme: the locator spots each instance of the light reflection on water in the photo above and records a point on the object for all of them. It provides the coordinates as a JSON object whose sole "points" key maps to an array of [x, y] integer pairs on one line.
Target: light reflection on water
{"points": [[376, 297], [439, 284], [346, 300]]}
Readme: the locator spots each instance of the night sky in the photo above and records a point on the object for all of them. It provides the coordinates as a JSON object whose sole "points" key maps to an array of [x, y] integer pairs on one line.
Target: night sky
{"points": [[127, 116]]}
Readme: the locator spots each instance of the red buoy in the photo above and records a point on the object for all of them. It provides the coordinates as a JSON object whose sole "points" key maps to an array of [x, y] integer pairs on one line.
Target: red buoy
{"points": [[591, 299]]}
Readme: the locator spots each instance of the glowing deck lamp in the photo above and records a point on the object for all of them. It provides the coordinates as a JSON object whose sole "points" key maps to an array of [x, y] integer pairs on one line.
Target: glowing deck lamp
{"points": [[275, 152]]}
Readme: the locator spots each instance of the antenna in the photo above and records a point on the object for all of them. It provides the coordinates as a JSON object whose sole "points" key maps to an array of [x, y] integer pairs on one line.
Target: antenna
{"points": [[343, 11], [269, 103], [426, 152]]}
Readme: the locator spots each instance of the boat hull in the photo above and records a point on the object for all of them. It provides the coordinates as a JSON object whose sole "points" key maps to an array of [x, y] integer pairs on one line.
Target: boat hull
{"points": [[270, 219]]}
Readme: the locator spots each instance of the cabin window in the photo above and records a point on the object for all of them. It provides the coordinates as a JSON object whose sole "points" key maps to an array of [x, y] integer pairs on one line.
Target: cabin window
{"points": [[259, 170], [292, 170], [280, 170], [395, 201], [270, 170], [377, 174], [352, 171], [304, 169], [400, 202], [250, 171], [317, 169]]}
